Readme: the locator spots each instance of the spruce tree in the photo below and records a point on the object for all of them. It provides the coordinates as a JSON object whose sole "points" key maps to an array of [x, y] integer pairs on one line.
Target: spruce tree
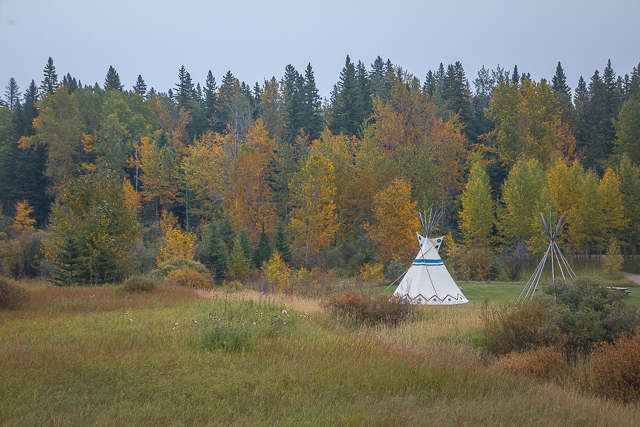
{"points": [[112, 80], [263, 251], [247, 249], [140, 87], [559, 81], [217, 252], [515, 77], [310, 117], [346, 108], [184, 89], [291, 86], [12, 94], [281, 244], [50, 80], [211, 100]]}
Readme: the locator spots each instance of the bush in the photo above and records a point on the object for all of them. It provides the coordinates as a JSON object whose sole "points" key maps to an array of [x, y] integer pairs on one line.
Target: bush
{"points": [[176, 264], [11, 296], [393, 271], [544, 363], [232, 285], [513, 259], [614, 369], [522, 328], [190, 278], [361, 308], [578, 317], [136, 284]]}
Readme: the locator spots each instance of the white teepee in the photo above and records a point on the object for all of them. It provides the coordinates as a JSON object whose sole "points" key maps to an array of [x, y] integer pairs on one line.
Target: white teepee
{"points": [[554, 255], [428, 281]]}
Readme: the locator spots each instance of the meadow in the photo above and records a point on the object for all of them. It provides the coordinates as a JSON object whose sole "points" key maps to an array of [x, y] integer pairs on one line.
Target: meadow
{"points": [[174, 356]]}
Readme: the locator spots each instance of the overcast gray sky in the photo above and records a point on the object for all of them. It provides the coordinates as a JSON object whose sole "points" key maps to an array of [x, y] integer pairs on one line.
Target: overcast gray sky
{"points": [[257, 39]]}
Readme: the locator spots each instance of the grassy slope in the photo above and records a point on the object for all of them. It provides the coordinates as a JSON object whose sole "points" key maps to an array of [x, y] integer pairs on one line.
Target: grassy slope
{"points": [[84, 356]]}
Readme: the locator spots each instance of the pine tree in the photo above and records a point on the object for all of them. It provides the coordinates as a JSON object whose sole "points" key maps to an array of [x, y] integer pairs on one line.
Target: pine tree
{"points": [[515, 77], [184, 89], [310, 118], [216, 251], [112, 80], [485, 83], [211, 101], [50, 78], [12, 94], [281, 244], [291, 87], [247, 249], [263, 250], [140, 87], [378, 82], [364, 88], [346, 108], [559, 81]]}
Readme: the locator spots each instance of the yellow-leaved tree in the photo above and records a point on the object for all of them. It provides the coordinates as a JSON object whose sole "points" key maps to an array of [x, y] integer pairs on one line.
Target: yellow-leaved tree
{"points": [[314, 221], [395, 222], [477, 215], [22, 220], [177, 244], [612, 209]]}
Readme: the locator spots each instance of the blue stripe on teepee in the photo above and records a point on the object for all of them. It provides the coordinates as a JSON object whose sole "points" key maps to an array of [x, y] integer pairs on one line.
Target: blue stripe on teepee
{"points": [[428, 262]]}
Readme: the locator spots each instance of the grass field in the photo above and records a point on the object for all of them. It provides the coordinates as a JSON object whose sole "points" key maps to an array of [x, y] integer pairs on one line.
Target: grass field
{"points": [[87, 356]]}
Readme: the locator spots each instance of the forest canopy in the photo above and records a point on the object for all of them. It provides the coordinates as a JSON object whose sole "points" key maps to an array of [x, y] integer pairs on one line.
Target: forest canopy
{"points": [[111, 180]]}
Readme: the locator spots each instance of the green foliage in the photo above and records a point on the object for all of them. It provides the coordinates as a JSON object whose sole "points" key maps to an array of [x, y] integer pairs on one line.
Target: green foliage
{"points": [[281, 244], [239, 326], [362, 308], [263, 251], [217, 252], [92, 231], [12, 296], [574, 320], [239, 263], [176, 264]]}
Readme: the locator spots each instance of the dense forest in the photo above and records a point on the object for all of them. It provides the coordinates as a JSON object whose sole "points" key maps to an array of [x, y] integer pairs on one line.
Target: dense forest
{"points": [[98, 182]]}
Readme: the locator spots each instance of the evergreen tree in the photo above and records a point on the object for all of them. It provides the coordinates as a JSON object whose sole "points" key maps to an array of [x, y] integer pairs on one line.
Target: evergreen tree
{"points": [[515, 77], [380, 86], [50, 80], [211, 100], [140, 87], [310, 118], [485, 83], [456, 97], [346, 109], [365, 92], [282, 245], [184, 89], [291, 86], [217, 251], [112, 80], [239, 264], [243, 237], [263, 251], [12, 94], [559, 81], [70, 83]]}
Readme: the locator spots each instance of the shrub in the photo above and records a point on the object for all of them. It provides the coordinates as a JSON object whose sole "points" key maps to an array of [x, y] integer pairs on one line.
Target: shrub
{"points": [[361, 308], [176, 264], [513, 259], [232, 285], [11, 296], [393, 271], [544, 363], [136, 284], [190, 278], [614, 369], [524, 327], [372, 272]]}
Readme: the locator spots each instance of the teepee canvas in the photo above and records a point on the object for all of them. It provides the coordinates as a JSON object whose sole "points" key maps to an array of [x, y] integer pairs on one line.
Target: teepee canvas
{"points": [[428, 281]]}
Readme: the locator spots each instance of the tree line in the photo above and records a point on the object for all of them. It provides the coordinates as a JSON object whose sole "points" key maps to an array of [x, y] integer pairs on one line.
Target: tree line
{"points": [[116, 179]]}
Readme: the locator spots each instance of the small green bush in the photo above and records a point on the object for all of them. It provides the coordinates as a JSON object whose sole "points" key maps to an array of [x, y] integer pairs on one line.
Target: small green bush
{"points": [[361, 308], [176, 264], [11, 296], [190, 278], [136, 284]]}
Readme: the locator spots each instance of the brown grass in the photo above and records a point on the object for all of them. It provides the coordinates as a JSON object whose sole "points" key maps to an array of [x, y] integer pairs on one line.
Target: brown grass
{"points": [[301, 304]]}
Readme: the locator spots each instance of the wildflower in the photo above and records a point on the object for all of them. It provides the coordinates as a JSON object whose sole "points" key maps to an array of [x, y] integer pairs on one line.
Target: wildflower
{"points": [[285, 323], [195, 321], [254, 323], [176, 323], [130, 320], [284, 312]]}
